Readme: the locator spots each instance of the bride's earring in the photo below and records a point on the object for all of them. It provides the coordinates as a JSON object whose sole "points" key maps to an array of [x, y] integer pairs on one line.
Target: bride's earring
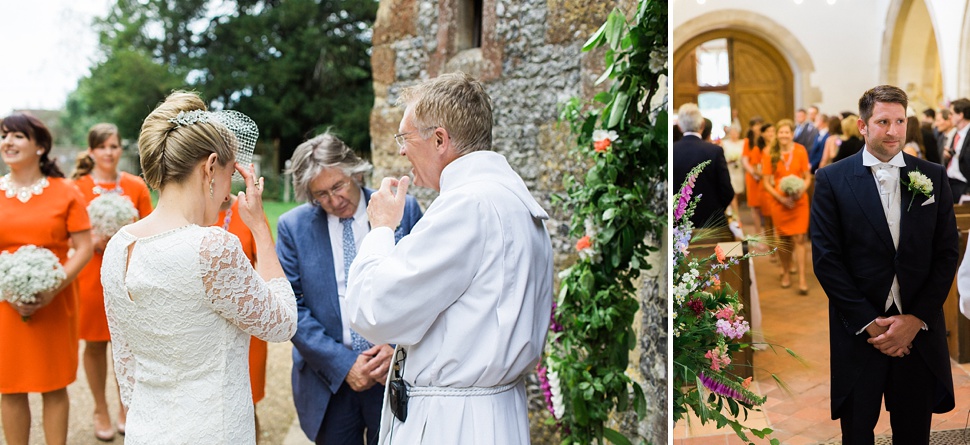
{"points": [[212, 184]]}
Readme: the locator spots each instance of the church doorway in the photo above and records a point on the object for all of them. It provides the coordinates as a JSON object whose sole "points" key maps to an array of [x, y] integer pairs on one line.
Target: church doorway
{"points": [[728, 69]]}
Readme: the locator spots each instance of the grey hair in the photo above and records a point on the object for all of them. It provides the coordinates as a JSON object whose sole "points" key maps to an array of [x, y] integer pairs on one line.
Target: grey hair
{"points": [[322, 152], [689, 118]]}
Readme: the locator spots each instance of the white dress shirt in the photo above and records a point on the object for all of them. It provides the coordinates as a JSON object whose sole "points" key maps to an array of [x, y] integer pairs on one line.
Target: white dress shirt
{"points": [[361, 226]]}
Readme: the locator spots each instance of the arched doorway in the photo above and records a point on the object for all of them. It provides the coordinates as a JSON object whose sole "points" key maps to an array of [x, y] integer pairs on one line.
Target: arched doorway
{"points": [[911, 55], [750, 75]]}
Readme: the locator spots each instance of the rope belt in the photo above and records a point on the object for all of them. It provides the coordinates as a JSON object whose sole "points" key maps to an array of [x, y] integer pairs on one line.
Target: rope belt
{"points": [[447, 391]]}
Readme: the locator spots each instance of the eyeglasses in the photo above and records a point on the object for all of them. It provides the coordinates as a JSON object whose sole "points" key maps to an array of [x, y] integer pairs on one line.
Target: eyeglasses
{"points": [[327, 195], [399, 138]]}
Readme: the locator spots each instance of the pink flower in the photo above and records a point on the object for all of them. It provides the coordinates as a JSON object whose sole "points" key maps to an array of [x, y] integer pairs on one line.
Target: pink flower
{"points": [[602, 140], [725, 314], [719, 252], [718, 358], [583, 243], [601, 146]]}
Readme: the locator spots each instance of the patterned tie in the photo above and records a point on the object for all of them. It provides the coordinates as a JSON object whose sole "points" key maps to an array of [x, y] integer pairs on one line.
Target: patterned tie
{"points": [[357, 343]]}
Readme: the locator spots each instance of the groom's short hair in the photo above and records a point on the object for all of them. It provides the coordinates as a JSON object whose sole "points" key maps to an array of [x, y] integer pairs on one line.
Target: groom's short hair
{"points": [[881, 93]]}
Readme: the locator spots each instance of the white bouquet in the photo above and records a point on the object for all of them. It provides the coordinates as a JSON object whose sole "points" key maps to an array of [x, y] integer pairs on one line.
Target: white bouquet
{"points": [[791, 185], [110, 212], [27, 272]]}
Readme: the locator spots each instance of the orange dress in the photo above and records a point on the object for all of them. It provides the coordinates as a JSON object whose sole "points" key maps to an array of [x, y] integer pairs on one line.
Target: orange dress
{"points": [[92, 324], [40, 354], [752, 186], [257, 348], [787, 221]]}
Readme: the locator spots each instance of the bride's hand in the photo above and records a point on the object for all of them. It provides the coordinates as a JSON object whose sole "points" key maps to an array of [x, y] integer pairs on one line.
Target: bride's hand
{"points": [[251, 200]]}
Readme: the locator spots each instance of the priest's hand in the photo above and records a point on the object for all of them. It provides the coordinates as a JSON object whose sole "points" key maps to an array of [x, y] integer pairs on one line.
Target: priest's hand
{"points": [[386, 206], [898, 338], [382, 357]]}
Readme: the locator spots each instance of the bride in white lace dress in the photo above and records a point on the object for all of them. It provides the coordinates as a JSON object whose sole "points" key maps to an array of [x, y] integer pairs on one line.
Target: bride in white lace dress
{"points": [[182, 298]]}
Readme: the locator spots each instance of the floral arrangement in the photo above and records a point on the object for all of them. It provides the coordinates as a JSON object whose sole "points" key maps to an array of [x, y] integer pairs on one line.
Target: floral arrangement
{"points": [[621, 140], [918, 184], [109, 213], [791, 185], [707, 328], [27, 272]]}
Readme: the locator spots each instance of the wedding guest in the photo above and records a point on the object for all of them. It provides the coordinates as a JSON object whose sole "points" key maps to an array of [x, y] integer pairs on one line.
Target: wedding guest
{"points": [[957, 150], [764, 143], [817, 149], [914, 138], [852, 141], [96, 173], [39, 354], [886, 268], [182, 298], [467, 295], [805, 131], [714, 182], [338, 376], [706, 131], [751, 161], [833, 142], [230, 221], [733, 147], [931, 150], [943, 129], [789, 208]]}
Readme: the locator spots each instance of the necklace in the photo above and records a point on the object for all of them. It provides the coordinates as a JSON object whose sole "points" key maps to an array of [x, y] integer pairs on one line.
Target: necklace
{"points": [[99, 189], [227, 219], [787, 160], [24, 193]]}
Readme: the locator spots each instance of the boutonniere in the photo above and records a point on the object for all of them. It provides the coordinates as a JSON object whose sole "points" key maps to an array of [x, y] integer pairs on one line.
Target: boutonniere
{"points": [[918, 183]]}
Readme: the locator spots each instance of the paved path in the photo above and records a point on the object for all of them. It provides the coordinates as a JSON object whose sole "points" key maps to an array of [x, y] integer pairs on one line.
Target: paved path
{"points": [[277, 416]]}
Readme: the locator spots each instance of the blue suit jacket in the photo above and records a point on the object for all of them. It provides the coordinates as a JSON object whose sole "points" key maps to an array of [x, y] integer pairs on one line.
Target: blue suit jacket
{"points": [[320, 360], [855, 261]]}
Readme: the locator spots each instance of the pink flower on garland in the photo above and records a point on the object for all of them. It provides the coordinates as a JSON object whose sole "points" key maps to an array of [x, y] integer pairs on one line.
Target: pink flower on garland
{"points": [[719, 252], [726, 313], [718, 357], [602, 140], [583, 244]]}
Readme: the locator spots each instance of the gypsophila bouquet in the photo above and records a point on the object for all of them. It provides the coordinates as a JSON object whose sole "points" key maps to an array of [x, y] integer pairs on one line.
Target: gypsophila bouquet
{"points": [[27, 272], [707, 328], [109, 213], [791, 185], [918, 184]]}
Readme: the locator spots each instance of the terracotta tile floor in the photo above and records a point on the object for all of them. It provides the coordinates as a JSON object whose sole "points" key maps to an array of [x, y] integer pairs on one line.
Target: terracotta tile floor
{"points": [[803, 416]]}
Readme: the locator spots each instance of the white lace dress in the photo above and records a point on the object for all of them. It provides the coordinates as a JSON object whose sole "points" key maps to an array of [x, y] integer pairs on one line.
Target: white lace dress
{"points": [[180, 321]]}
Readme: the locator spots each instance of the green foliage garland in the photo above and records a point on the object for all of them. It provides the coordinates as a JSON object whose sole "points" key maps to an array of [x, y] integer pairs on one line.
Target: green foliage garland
{"points": [[626, 144]]}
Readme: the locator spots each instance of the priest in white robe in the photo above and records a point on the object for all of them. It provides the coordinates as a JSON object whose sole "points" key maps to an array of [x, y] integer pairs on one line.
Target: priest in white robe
{"points": [[468, 294]]}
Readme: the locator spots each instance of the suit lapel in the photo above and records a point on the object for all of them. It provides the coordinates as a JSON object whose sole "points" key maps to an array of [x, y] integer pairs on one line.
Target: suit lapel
{"points": [[867, 196]]}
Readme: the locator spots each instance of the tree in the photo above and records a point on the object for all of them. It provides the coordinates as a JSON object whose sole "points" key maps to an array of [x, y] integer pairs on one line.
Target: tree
{"points": [[296, 67]]}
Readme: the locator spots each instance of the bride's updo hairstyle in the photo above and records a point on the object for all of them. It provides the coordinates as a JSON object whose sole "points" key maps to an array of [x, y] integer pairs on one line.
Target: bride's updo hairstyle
{"points": [[170, 150]]}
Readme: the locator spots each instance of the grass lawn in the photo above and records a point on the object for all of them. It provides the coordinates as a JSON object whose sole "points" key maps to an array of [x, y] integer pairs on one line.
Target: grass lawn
{"points": [[273, 211]]}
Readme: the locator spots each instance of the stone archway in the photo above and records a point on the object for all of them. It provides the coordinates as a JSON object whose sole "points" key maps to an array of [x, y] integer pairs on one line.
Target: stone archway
{"points": [[963, 62], [797, 57], [910, 54]]}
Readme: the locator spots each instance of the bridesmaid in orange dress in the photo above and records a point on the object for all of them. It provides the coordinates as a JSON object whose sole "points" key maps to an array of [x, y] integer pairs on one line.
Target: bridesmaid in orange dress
{"points": [[751, 161], [764, 143], [257, 348], [39, 206], [96, 173], [789, 211]]}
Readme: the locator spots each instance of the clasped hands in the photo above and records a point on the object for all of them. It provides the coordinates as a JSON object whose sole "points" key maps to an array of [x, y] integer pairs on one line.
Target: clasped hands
{"points": [[370, 368], [894, 335], [28, 309]]}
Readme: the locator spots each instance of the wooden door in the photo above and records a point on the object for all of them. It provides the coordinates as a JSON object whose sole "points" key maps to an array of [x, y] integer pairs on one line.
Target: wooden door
{"points": [[761, 82]]}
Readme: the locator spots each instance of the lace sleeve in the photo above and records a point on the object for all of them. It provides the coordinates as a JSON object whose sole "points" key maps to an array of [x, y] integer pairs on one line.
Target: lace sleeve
{"points": [[266, 310], [113, 280]]}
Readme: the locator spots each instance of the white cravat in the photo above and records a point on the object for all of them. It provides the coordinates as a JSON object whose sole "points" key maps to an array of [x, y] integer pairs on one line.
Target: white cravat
{"points": [[886, 176]]}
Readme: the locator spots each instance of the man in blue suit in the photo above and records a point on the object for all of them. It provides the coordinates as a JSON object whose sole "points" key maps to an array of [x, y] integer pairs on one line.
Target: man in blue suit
{"points": [[884, 244], [338, 377]]}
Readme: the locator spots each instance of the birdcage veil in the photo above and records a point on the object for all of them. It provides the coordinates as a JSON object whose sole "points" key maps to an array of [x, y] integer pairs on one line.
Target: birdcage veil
{"points": [[237, 130]]}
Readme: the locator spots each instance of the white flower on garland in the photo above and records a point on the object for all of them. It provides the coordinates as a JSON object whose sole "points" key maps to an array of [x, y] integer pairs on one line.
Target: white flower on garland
{"points": [[109, 213], [658, 59], [791, 185], [27, 272], [558, 408]]}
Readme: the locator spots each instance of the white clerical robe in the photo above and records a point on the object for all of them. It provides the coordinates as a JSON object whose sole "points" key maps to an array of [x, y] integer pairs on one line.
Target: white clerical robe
{"points": [[468, 294]]}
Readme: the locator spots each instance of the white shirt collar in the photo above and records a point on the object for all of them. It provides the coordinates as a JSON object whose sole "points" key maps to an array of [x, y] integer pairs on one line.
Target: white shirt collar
{"points": [[869, 160]]}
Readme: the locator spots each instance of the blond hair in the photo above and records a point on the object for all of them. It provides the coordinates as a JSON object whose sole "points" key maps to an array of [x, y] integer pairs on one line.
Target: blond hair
{"points": [[169, 151], [456, 102], [850, 127]]}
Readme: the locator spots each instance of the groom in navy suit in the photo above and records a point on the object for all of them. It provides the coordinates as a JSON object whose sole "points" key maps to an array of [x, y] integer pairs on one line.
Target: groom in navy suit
{"points": [[886, 257], [338, 377]]}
